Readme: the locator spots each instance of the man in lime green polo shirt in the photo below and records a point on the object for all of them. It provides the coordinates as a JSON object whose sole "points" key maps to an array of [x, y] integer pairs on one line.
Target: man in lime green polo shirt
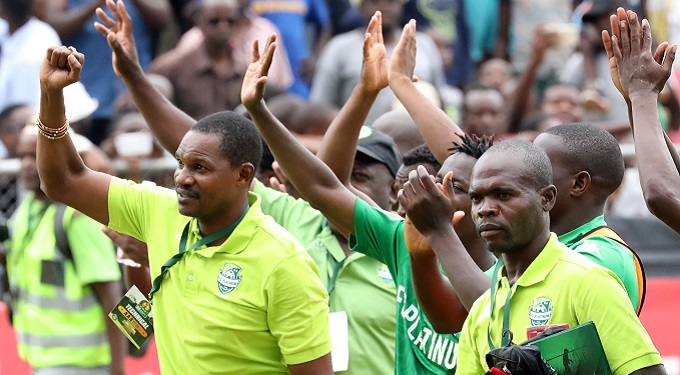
{"points": [[236, 292], [351, 278], [512, 193]]}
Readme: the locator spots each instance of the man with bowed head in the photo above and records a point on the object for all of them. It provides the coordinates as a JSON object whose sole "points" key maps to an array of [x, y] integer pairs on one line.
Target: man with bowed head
{"points": [[236, 290], [512, 194]]}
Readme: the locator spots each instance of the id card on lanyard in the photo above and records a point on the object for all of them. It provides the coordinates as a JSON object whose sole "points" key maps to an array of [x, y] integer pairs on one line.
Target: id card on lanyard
{"points": [[133, 314]]}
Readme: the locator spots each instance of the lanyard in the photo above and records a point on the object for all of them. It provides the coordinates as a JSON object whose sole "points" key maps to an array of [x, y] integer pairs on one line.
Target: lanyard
{"points": [[183, 249], [334, 277], [506, 309]]}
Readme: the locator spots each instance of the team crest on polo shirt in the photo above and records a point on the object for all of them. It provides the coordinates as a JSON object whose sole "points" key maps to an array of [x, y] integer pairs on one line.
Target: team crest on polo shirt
{"points": [[228, 278], [540, 311], [384, 274]]}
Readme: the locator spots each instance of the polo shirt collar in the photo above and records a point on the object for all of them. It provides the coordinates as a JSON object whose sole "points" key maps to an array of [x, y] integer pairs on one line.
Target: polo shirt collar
{"points": [[577, 234], [239, 238], [546, 260]]}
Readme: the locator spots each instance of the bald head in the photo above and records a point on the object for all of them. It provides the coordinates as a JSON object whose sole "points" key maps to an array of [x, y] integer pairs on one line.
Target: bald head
{"points": [[399, 125]]}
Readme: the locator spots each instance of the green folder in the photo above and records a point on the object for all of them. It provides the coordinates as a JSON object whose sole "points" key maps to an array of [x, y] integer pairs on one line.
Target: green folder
{"points": [[575, 351]]}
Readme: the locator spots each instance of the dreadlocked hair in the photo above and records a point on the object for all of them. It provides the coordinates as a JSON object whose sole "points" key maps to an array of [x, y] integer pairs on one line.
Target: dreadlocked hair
{"points": [[473, 145]]}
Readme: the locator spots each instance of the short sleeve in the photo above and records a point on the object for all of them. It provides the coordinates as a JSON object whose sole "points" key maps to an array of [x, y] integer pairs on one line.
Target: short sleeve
{"points": [[378, 234], [93, 252], [298, 310], [468, 352], [130, 205], [627, 345]]}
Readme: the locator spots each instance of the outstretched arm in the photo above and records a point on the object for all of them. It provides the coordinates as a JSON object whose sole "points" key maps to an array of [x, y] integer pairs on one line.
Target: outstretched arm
{"points": [[167, 122], [432, 214], [310, 176], [613, 70], [642, 75], [63, 175], [437, 129], [339, 144]]}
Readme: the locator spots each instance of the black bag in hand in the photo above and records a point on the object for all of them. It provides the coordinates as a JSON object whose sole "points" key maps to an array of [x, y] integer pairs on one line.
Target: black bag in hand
{"points": [[513, 359]]}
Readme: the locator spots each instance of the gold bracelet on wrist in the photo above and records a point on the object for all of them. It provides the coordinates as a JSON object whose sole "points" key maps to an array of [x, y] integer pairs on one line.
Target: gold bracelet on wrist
{"points": [[52, 133]]}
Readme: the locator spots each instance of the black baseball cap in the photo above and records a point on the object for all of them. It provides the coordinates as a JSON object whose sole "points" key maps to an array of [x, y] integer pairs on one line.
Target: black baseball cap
{"points": [[379, 147]]}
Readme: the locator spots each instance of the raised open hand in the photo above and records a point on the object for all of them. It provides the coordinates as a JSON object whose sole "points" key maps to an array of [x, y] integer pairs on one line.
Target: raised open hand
{"points": [[636, 69], [375, 66], [252, 90], [60, 67], [403, 60], [118, 34]]}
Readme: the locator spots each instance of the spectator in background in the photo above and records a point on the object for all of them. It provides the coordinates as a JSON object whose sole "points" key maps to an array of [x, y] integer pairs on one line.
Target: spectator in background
{"points": [[339, 66], [482, 19], [294, 18], [484, 112], [517, 20], [588, 69], [563, 102], [399, 125], [62, 291], [212, 81], [132, 141], [73, 20], [23, 40], [124, 103], [449, 19], [12, 121], [249, 26], [496, 73]]}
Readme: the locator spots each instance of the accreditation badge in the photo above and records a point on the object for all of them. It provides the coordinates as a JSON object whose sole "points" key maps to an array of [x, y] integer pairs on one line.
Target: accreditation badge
{"points": [[339, 340], [134, 317]]}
